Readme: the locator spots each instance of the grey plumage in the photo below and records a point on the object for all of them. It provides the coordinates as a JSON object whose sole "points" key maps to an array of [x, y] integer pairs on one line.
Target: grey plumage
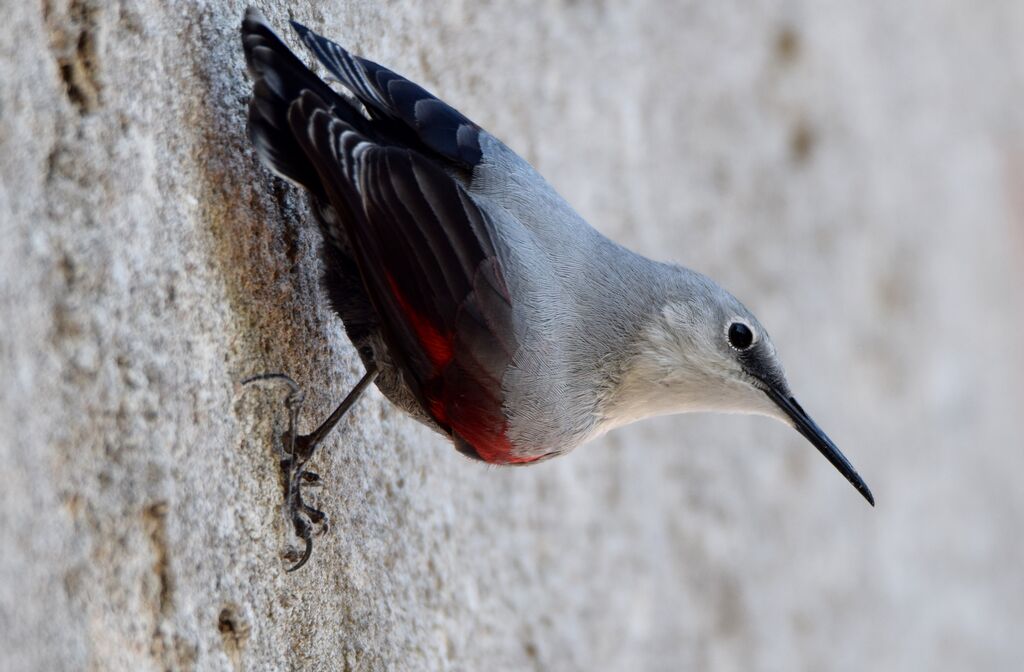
{"points": [[493, 312]]}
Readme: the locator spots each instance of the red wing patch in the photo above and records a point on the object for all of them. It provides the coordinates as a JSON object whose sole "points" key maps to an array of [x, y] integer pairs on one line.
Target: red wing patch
{"points": [[490, 446], [496, 449], [438, 346], [483, 431], [486, 435], [438, 411]]}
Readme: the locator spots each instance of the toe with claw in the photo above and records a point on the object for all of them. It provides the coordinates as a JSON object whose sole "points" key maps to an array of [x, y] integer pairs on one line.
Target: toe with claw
{"points": [[296, 450]]}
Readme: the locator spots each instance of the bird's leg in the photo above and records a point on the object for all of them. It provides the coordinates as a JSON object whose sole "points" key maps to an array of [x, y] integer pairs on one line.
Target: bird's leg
{"points": [[287, 452], [297, 451]]}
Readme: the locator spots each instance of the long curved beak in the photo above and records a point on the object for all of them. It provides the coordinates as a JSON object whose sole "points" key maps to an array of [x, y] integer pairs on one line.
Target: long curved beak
{"points": [[803, 424]]}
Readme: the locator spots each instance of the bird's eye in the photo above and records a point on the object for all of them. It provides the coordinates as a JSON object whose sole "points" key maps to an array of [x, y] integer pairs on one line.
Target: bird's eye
{"points": [[740, 336]]}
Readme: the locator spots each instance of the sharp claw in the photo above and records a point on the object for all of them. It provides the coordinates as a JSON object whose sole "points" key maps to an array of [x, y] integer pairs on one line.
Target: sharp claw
{"points": [[296, 450], [304, 530], [305, 555], [259, 377]]}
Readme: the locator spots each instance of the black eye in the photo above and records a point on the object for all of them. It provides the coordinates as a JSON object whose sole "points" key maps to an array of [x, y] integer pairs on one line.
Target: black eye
{"points": [[740, 336]]}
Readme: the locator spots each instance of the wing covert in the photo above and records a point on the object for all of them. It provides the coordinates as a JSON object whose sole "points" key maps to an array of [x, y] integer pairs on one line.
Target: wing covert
{"points": [[428, 259]]}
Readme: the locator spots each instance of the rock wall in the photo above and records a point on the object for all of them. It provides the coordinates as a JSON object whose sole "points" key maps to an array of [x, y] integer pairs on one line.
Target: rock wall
{"points": [[853, 171]]}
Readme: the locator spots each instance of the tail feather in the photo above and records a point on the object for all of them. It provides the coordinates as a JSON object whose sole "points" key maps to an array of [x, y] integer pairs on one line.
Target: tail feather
{"points": [[279, 80]]}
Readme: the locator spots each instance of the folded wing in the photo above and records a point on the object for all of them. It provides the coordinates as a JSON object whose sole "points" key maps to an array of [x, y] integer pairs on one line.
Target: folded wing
{"points": [[428, 259]]}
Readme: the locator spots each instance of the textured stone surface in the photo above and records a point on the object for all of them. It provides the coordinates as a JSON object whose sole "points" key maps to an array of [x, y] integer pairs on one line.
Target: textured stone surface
{"points": [[853, 171]]}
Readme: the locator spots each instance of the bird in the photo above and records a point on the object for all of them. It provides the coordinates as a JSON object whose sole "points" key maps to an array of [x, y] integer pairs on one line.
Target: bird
{"points": [[478, 300]]}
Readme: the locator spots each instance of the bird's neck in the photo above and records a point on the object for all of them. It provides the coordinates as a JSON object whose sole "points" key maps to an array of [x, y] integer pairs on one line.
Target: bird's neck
{"points": [[650, 384], [661, 375], [644, 367]]}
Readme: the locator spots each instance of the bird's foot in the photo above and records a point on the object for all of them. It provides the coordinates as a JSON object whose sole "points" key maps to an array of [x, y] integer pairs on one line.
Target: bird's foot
{"points": [[295, 451], [304, 518]]}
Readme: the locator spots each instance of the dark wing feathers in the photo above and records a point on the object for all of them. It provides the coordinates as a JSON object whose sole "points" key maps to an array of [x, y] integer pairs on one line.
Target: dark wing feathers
{"points": [[424, 249], [422, 118], [279, 78], [430, 266], [334, 149]]}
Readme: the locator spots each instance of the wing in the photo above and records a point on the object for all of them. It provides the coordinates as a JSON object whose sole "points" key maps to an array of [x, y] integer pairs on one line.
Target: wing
{"points": [[279, 77], [409, 113], [427, 257]]}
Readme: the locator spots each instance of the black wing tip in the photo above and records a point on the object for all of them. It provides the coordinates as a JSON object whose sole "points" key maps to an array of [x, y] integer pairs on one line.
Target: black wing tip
{"points": [[315, 41], [254, 22], [384, 93], [253, 15], [302, 30]]}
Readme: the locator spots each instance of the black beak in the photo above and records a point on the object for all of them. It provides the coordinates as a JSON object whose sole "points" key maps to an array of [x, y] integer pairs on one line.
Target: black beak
{"points": [[803, 424]]}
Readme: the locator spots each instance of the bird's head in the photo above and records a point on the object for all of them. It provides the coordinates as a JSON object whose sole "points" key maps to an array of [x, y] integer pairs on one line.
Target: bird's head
{"points": [[702, 350]]}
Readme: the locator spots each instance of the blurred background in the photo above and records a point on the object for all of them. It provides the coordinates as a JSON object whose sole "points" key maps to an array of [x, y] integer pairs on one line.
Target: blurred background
{"points": [[854, 172]]}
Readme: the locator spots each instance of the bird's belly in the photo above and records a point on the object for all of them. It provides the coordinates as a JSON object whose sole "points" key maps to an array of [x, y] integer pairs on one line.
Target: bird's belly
{"points": [[374, 353]]}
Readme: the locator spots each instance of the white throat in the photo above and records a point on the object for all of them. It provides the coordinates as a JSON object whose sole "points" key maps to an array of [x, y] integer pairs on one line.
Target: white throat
{"points": [[667, 375]]}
